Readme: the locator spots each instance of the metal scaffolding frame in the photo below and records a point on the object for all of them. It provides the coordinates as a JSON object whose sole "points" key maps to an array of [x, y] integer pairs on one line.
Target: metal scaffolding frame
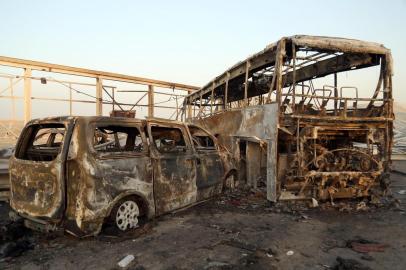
{"points": [[28, 66]]}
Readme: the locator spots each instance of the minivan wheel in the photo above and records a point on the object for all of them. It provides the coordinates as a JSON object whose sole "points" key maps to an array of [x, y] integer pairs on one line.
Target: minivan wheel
{"points": [[126, 215]]}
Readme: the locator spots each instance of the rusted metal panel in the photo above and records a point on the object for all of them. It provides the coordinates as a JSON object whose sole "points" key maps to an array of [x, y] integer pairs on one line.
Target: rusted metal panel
{"points": [[246, 134], [254, 121], [210, 170], [174, 169]]}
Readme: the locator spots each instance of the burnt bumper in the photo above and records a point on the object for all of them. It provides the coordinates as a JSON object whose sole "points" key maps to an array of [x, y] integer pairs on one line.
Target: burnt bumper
{"points": [[32, 223]]}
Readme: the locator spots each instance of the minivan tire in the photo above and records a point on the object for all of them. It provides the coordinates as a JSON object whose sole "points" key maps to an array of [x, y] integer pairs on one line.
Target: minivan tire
{"points": [[126, 214]]}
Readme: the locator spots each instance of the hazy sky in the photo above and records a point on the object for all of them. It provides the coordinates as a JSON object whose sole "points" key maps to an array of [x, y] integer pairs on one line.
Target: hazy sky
{"points": [[188, 42]]}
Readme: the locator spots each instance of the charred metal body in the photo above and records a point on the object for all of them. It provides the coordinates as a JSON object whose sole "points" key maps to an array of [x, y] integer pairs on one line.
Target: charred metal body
{"points": [[73, 172], [330, 142]]}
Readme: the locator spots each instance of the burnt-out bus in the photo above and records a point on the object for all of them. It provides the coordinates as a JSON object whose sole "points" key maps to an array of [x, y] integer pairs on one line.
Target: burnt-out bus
{"points": [[311, 117]]}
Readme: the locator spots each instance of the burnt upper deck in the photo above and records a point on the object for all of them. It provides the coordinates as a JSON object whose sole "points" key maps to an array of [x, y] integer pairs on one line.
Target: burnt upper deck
{"points": [[280, 65], [364, 54]]}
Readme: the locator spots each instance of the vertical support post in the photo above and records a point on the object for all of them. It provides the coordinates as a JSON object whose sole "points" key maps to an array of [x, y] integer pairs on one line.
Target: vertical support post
{"points": [[27, 94], [271, 171], [298, 148], [335, 94], [13, 102], [150, 101], [200, 105], [345, 108], [253, 156], [387, 99], [247, 67], [280, 53], [70, 99], [99, 95], [226, 92], [385, 80], [189, 110], [212, 99], [113, 96], [194, 108], [294, 78], [177, 108]]}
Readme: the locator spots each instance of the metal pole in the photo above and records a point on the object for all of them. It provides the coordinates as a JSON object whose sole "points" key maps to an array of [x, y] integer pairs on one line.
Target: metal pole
{"points": [[99, 95], [70, 99], [13, 103], [212, 99], [226, 92], [112, 94], [335, 94], [294, 78], [177, 106], [278, 70], [247, 66], [150, 101], [27, 94], [194, 109]]}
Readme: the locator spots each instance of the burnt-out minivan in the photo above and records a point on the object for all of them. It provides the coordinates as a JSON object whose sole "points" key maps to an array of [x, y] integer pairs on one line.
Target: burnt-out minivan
{"points": [[78, 173]]}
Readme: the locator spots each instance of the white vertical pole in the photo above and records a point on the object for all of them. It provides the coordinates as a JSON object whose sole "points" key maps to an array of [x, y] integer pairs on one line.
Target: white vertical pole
{"points": [[27, 94]]}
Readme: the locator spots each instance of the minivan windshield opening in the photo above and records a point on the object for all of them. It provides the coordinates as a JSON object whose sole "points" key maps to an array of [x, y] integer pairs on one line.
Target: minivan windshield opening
{"points": [[43, 142], [115, 139]]}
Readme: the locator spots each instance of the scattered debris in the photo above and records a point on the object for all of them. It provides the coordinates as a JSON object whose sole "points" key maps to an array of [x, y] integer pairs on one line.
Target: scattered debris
{"points": [[14, 240], [126, 261], [111, 233], [367, 257], [245, 198], [290, 253], [216, 265], [15, 249], [362, 206], [239, 244], [315, 203], [364, 246], [349, 264], [402, 192], [329, 244]]}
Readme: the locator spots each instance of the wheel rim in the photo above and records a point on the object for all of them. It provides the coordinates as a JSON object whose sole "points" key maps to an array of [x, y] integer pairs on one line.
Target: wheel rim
{"points": [[127, 215]]}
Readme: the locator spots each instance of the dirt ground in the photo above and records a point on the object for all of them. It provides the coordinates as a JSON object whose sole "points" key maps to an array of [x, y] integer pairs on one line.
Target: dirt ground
{"points": [[235, 231]]}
